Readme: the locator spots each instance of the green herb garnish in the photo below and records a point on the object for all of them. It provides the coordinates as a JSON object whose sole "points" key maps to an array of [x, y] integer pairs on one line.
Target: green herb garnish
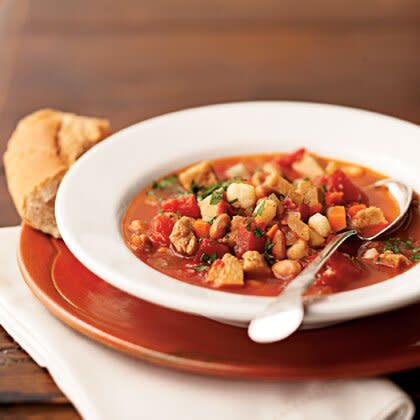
{"points": [[258, 233], [200, 268], [209, 259], [216, 197], [416, 250], [416, 257], [233, 201], [260, 208], [248, 226], [195, 189], [407, 244], [267, 253], [165, 182], [210, 190], [392, 245], [211, 221]]}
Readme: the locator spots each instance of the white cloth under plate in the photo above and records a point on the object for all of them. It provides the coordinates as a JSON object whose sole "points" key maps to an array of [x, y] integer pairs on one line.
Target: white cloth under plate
{"points": [[104, 384]]}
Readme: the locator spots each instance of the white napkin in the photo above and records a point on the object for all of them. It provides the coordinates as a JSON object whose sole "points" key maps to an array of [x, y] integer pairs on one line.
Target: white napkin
{"points": [[104, 384]]}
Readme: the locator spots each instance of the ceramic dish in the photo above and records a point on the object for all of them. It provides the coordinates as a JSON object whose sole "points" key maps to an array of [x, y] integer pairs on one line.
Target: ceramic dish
{"points": [[95, 192], [181, 341]]}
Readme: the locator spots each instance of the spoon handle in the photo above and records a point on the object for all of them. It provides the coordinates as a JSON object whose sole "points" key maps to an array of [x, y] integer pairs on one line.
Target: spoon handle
{"points": [[284, 315]]}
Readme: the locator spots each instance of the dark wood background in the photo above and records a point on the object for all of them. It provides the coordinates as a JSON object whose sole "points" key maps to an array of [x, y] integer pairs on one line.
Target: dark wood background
{"points": [[130, 60]]}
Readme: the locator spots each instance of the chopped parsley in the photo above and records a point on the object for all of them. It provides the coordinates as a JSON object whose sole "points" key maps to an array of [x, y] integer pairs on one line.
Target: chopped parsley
{"points": [[260, 208], [209, 259], [200, 268], [165, 182], [233, 201], [395, 244], [211, 221], [195, 189], [216, 197], [258, 233], [392, 245], [210, 190], [202, 193], [248, 226], [306, 178], [267, 253], [407, 244]]}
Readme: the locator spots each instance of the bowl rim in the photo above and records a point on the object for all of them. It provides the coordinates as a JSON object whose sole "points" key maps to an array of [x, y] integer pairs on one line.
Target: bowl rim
{"points": [[178, 295]]}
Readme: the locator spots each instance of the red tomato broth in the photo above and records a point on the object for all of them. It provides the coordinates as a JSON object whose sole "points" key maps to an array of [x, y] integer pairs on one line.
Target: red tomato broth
{"points": [[180, 267]]}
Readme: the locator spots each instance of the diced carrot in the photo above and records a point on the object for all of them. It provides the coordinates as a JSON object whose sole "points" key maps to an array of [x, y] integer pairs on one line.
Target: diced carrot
{"points": [[337, 217], [355, 208], [201, 228], [272, 231]]}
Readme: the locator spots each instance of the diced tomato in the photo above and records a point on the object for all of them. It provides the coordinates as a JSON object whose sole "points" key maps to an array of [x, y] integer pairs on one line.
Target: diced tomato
{"points": [[211, 247], [224, 207], [161, 228], [288, 160], [320, 180], [304, 211], [334, 198], [355, 208], [317, 208], [185, 205], [339, 182], [339, 271], [250, 237], [288, 204]]}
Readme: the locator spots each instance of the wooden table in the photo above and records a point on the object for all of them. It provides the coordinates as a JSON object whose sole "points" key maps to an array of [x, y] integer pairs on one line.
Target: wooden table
{"points": [[130, 60]]}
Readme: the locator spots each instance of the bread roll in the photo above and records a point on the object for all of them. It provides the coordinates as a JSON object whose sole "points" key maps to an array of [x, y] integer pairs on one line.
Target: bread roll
{"points": [[42, 148]]}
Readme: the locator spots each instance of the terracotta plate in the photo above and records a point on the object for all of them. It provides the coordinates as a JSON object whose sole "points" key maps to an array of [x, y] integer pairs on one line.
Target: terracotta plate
{"points": [[369, 346]]}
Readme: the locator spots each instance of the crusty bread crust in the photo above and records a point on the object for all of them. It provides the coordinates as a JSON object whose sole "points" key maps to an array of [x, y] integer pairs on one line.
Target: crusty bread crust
{"points": [[40, 151]]}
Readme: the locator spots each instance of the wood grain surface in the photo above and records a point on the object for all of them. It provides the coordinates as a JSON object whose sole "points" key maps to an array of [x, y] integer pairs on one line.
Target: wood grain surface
{"points": [[132, 59]]}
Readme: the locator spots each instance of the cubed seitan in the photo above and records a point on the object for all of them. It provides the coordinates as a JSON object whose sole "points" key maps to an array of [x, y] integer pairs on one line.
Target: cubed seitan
{"points": [[391, 260], [254, 264], [309, 193], [297, 226], [308, 166], [284, 187], [182, 236], [370, 216], [209, 211], [201, 174], [226, 272]]}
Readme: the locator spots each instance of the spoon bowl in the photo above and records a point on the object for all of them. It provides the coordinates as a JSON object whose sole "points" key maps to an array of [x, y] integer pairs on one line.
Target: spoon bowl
{"points": [[285, 315]]}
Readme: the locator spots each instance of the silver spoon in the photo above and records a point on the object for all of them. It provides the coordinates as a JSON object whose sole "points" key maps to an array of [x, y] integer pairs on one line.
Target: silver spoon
{"points": [[284, 316]]}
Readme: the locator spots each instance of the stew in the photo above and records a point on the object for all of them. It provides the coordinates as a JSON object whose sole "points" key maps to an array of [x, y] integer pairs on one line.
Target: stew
{"points": [[250, 224]]}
